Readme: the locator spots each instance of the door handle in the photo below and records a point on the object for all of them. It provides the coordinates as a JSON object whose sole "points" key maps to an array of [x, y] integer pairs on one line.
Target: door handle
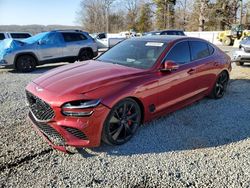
{"points": [[191, 71]]}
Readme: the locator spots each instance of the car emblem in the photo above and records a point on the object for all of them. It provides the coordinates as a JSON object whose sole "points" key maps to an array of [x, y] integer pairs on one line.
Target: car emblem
{"points": [[39, 89]]}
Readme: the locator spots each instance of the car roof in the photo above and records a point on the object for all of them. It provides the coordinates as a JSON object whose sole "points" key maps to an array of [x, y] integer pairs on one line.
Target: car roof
{"points": [[69, 31], [172, 30], [161, 38]]}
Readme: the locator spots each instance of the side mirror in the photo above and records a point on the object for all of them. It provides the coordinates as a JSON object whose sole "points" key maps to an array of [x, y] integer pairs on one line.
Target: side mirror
{"points": [[169, 66], [41, 42]]}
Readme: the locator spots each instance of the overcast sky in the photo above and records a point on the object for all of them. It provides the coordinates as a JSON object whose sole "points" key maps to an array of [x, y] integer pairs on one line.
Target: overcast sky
{"points": [[45, 12]]}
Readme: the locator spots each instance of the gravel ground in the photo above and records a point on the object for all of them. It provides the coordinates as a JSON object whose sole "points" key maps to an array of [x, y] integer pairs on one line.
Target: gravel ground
{"points": [[203, 145]]}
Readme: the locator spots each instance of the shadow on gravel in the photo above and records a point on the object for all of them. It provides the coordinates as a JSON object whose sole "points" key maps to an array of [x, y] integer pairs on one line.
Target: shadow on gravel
{"points": [[207, 123], [39, 70]]}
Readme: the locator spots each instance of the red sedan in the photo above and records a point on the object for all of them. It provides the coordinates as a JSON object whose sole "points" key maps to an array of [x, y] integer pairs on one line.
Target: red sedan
{"points": [[107, 99]]}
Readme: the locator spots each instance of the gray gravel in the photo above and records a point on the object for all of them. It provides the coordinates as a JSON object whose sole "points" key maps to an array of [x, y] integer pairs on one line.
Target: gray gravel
{"points": [[203, 145]]}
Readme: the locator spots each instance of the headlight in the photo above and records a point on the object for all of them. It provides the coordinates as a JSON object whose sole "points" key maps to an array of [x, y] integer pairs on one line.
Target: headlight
{"points": [[80, 108]]}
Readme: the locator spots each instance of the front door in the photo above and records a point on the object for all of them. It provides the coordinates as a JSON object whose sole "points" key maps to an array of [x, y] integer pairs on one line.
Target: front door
{"points": [[181, 84], [50, 47]]}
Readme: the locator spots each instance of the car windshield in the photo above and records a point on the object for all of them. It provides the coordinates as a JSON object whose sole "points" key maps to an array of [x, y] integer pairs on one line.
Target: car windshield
{"points": [[134, 53], [35, 38]]}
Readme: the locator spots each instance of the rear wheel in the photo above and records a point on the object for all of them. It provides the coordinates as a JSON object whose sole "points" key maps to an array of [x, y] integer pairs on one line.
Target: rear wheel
{"points": [[85, 54], [26, 63], [122, 122], [220, 86], [240, 63], [227, 41]]}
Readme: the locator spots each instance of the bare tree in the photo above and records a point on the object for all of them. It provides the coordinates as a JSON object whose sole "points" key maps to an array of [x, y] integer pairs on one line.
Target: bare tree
{"points": [[132, 13], [107, 4], [202, 14], [94, 15]]}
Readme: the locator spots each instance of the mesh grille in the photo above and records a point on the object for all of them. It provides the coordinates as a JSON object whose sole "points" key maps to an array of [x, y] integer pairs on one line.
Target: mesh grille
{"points": [[77, 133], [49, 132], [39, 108]]}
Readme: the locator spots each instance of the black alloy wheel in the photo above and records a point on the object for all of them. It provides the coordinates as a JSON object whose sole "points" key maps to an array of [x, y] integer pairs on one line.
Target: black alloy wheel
{"points": [[85, 55], [122, 122], [25, 63], [220, 86]]}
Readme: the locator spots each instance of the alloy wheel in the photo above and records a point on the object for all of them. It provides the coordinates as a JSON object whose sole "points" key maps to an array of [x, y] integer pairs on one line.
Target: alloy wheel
{"points": [[221, 85], [122, 122]]}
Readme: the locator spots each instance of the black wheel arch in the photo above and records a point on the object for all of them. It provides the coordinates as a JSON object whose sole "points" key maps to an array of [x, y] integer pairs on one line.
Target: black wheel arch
{"points": [[86, 48], [25, 53], [136, 99], [139, 102]]}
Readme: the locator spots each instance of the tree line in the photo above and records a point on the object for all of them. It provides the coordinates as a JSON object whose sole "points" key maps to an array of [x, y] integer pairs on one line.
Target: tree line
{"points": [[146, 15]]}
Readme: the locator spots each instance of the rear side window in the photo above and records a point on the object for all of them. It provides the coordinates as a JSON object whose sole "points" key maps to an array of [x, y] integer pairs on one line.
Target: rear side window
{"points": [[211, 49], [2, 37], [199, 50], [172, 33], [72, 37], [20, 35], [180, 53]]}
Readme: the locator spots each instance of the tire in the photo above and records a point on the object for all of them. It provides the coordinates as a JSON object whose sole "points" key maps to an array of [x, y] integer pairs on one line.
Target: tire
{"points": [[25, 63], [122, 122], [220, 86], [85, 54], [227, 41], [240, 63]]}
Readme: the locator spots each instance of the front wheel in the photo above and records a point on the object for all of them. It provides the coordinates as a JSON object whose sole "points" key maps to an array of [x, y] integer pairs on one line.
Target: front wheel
{"points": [[220, 86], [122, 122], [25, 63]]}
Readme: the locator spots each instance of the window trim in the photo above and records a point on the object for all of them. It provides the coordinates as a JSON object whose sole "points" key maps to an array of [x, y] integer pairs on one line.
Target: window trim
{"points": [[164, 59], [207, 48], [85, 37]]}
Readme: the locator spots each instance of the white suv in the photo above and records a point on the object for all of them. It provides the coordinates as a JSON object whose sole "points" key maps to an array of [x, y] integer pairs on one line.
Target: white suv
{"points": [[14, 35]]}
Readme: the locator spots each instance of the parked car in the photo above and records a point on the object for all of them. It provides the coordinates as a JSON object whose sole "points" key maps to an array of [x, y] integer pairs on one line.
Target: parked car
{"points": [[137, 80], [242, 55], [105, 40], [48, 47], [14, 35], [165, 32]]}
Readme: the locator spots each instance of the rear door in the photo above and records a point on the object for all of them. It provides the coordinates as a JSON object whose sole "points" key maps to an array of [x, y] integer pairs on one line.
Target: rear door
{"points": [[205, 64], [74, 42]]}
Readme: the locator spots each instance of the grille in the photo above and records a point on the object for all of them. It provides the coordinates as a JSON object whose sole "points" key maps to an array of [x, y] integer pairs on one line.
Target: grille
{"points": [[41, 110], [49, 132], [77, 133]]}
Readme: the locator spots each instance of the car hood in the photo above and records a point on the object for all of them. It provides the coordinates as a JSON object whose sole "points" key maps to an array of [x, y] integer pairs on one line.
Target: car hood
{"points": [[83, 77], [8, 45]]}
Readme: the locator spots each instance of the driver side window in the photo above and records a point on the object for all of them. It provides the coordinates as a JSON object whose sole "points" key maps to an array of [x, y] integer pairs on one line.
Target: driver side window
{"points": [[180, 53], [51, 38]]}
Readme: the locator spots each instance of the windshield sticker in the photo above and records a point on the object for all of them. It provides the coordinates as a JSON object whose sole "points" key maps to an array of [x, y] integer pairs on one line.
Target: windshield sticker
{"points": [[155, 44]]}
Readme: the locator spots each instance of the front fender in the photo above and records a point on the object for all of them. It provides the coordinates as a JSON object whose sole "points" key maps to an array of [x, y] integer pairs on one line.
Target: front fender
{"points": [[110, 95]]}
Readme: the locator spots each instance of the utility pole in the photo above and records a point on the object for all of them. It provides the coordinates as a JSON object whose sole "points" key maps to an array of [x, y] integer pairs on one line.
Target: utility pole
{"points": [[241, 10], [169, 16], [165, 11], [248, 15]]}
